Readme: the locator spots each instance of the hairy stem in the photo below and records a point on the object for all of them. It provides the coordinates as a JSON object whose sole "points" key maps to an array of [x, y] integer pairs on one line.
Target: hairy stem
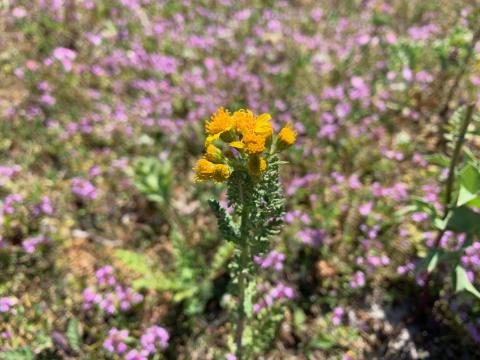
{"points": [[242, 276], [453, 163]]}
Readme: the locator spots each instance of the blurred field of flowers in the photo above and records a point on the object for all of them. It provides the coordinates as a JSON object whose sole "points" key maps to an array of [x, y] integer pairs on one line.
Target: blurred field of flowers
{"points": [[108, 249]]}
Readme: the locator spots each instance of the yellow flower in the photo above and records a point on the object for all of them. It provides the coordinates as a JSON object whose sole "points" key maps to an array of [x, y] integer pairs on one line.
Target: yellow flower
{"points": [[286, 137], [256, 165], [214, 154], [221, 121], [244, 121], [222, 172], [206, 170], [253, 143], [263, 126]]}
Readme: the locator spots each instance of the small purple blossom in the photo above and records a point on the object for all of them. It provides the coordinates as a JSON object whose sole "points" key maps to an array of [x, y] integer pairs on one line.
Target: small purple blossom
{"points": [[6, 303], [337, 316], [115, 341], [84, 188], [136, 355], [273, 259], [30, 244], [358, 280], [153, 339]]}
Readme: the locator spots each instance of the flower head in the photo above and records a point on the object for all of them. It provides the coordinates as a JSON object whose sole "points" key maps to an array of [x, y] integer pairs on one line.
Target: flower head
{"points": [[221, 121], [249, 139], [206, 170], [253, 143], [213, 154], [286, 137]]}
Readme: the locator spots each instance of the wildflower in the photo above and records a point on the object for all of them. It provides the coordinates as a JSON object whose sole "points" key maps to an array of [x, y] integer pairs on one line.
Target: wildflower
{"points": [[115, 341], [6, 303], [220, 122], [136, 355], [30, 244], [154, 338], [256, 166], [286, 137], [244, 121], [337, 316], [222, 172], [84, 188], [214, 154], [253, 143], [206, 170]]}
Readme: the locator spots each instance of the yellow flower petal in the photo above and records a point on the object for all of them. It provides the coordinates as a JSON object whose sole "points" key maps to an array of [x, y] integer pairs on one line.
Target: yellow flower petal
{"points": [[237, 144], [263, 126]]}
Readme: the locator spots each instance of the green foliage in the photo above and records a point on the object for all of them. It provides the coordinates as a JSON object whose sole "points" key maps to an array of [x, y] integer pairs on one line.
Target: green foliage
{"points": [[190, 281], [153, 178], [227, 227], [73, 335], [18, 354]]}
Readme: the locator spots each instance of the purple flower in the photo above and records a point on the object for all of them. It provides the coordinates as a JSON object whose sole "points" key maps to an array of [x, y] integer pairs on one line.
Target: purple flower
{"points": [[10, 201], [105, 276], [154, 338], [30, 244], [136, 355], [65, 56], [84, 188], [44, 207], [115, 341], [312, 237], [273, 259], [127, 298], [358, 280], [337, 316], [6, 303], [365, 208], [90, 297]]}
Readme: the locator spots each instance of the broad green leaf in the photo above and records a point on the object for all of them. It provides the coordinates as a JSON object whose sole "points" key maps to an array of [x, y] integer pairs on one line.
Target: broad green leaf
{"points": [[469, 179], [462, 282], [463, 219]]}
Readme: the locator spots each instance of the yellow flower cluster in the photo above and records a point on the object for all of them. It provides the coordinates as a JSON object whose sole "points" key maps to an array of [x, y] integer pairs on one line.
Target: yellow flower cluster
{"points": [[251, 136]]}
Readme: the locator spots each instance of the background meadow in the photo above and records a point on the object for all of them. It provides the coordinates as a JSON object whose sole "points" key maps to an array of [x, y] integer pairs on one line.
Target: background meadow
{"points": [[108, 248]]}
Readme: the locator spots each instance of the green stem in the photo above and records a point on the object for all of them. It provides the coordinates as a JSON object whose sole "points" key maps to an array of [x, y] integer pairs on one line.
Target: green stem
{"points": [[242, 277], [453, 163]]}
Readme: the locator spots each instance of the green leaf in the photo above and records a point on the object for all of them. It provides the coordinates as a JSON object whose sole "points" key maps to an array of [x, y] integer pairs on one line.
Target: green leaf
{"points": [[469, 179], [322, 342], [462, 282], [227, 227], [463, 219], [438, 159], [73, 334], [18, 354], [133, 261], [155, 281], [248, 302], [433, 261]]}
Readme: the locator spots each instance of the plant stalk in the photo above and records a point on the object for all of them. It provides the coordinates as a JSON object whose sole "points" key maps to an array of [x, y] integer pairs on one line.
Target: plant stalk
{"points": [[453, 163], [242, 277]]}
